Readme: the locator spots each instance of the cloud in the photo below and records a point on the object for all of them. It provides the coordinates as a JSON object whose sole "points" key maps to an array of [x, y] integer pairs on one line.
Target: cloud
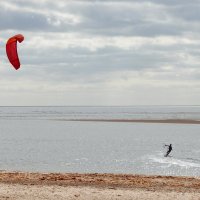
{"points": [[98, 18], [77, 51]]}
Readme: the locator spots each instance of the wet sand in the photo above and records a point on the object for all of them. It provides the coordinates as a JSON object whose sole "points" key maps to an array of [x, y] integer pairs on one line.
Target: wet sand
{"points": [[173, 121], [19, 185]]}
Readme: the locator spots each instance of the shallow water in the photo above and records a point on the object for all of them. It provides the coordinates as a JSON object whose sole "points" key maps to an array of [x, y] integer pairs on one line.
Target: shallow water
{"points": [[40, 143]]}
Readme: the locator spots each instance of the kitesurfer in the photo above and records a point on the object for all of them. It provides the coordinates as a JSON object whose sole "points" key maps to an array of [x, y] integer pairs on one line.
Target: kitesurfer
{"points": [[169, 149]]}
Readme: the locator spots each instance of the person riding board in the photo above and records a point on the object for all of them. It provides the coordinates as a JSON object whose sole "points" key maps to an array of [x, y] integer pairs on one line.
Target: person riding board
{"points": [[169, 149]]}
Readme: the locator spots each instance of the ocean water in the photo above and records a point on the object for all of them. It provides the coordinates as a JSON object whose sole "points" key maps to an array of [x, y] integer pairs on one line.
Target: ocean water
{"points": [[34, 139]]}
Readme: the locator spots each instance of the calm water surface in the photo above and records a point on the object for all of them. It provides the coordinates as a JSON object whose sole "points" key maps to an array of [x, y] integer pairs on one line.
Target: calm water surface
{"points": [[32, 140]]}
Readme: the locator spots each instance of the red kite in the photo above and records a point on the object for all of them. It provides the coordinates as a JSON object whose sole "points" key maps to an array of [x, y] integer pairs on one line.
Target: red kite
{"points": [[11, 50]]}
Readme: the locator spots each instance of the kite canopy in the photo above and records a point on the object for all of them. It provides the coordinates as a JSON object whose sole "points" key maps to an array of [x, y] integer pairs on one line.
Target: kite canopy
{"points": [[11, 50]]}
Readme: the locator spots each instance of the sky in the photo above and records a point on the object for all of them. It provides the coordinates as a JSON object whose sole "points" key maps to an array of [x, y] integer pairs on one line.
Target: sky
{"points": [[101, 52]]}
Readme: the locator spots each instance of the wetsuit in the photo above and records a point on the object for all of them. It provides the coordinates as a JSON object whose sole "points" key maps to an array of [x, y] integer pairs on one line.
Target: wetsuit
{"points": [[169, 150]]}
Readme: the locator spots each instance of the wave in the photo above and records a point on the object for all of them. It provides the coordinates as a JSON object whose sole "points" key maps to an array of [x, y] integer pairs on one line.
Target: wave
{"points": [[171, 161]]}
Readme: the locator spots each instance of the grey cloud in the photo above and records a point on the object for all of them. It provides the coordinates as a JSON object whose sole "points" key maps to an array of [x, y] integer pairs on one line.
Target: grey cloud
{"points": [[172, 2], [97, 19], [22, 21], [74, 64], [188, 13]]}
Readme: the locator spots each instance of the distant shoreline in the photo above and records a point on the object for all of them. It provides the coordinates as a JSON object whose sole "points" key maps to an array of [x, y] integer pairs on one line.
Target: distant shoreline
{"points": [[170, 121]]}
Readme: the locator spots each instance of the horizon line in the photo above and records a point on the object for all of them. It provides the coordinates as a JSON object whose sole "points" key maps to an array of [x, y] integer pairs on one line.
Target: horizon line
{"points": [[98, 105]]}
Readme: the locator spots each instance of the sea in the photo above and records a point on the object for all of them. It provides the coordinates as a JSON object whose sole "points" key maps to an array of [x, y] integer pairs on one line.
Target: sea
{"points": [[44, 139]]}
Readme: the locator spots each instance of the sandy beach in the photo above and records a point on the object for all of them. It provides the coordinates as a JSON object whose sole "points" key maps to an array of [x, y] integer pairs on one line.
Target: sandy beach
{"points": [[20, 185]]}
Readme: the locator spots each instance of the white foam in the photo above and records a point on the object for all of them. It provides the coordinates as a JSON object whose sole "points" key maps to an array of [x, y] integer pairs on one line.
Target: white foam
{"points": [[173, 161]]}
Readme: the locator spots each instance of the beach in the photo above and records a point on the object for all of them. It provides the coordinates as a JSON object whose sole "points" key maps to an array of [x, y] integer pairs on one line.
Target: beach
{"points": [[23, 185]]}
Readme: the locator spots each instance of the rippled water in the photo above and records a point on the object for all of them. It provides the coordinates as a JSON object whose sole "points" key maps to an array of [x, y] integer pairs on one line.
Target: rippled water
{"points": [[113, 112], [32, 140]]}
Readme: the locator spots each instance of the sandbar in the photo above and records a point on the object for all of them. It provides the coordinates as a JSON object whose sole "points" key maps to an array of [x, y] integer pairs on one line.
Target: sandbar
{"points": [[169, 121]]}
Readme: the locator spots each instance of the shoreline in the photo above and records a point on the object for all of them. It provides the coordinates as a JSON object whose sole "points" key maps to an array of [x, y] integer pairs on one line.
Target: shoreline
{"points": [[74, 186], [168, 121], [150, 182]]}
